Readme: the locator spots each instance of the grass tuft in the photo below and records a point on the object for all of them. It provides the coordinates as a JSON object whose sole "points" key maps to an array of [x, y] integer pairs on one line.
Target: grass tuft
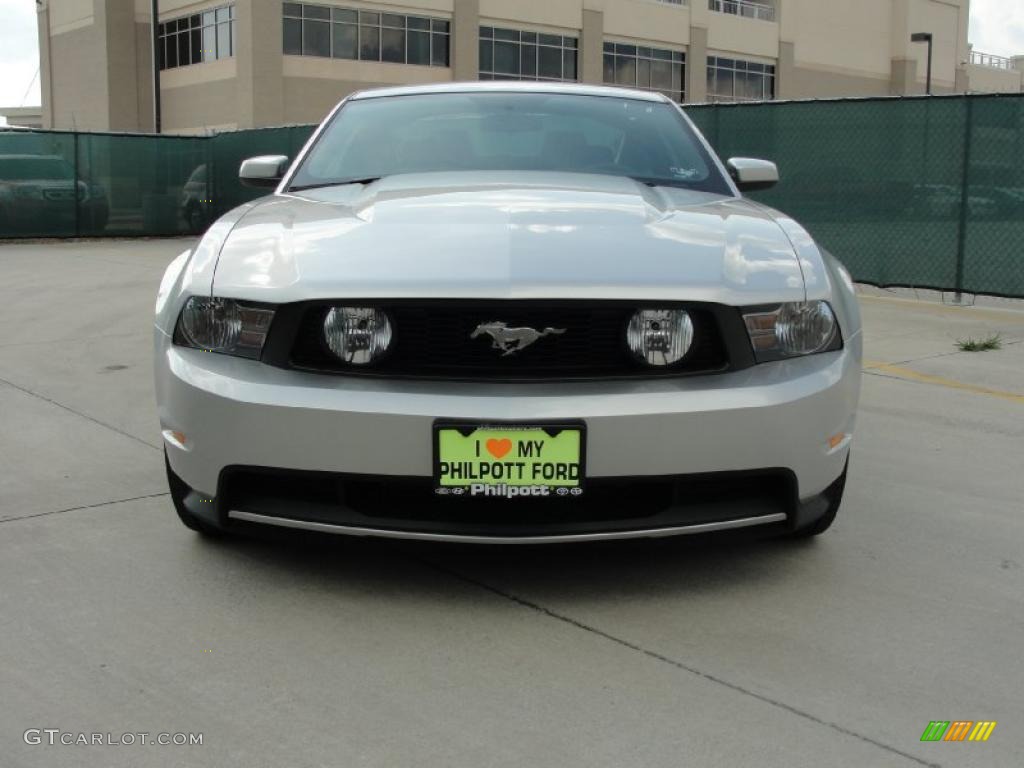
{"points": [[980, 345]]}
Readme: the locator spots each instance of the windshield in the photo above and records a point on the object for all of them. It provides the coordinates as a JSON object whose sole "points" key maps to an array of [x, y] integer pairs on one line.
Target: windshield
{"points": [[35, 169], [645, 140]]}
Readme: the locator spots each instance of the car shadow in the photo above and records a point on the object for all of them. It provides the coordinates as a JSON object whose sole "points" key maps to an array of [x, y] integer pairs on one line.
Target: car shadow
{"points": [[632, 569]]}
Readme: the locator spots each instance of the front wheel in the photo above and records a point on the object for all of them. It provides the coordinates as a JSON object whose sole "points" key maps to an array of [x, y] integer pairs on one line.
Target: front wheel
{"points": [[834, 494], [194, 218]]}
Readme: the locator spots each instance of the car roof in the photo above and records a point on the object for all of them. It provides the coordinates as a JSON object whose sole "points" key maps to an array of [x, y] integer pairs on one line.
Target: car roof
{"points": [[517, 86]]}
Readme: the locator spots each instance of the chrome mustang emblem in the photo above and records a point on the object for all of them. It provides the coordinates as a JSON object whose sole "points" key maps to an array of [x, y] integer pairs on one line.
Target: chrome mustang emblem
{"points": [[512, 340]]}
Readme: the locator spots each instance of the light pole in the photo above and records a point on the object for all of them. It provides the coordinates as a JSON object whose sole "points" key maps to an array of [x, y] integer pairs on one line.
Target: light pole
{"points": [[156, 66], [922, 37]]}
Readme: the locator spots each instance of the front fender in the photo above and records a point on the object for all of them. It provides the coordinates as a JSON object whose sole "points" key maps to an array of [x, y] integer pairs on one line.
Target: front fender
{"points": [[191, 273], [844, 298]]}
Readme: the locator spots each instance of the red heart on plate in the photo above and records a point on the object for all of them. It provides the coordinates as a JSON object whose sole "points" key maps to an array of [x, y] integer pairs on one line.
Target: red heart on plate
{"points": [[498, 448]]}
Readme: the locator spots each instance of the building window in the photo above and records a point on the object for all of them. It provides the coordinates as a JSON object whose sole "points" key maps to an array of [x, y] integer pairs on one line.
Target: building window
{"points": [[347, 33], [200, 37], [736, 80], [652, 69], [750, 9], [511, 54]]}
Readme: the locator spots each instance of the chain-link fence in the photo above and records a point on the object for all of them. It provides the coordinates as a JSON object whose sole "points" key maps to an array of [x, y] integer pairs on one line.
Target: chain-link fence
{"points": [[56, 184], [925, 192], [62, 184]]}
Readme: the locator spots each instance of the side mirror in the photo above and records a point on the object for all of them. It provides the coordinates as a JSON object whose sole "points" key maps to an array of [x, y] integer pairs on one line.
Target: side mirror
{"points": [[750, 174], [263, 171]]}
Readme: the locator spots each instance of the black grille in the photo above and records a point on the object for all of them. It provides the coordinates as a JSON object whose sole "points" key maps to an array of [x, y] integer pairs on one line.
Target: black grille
{"points": [[409, 503], [433, 340]]}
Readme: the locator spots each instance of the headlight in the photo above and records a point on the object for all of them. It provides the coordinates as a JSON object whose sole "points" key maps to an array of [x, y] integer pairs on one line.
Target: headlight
{"points": [[791, 330], [660, 336], [357, 335], [223, 325]]}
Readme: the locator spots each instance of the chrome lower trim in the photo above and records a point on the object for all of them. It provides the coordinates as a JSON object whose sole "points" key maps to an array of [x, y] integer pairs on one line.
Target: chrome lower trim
{"points": [[347, 530]]}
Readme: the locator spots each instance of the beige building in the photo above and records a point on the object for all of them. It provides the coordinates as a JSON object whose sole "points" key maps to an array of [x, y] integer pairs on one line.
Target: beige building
{"points": [[242, 63], [23, 117], [995, 74]]}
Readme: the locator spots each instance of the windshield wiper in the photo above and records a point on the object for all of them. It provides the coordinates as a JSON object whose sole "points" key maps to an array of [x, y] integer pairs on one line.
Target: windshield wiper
{"points": [[345, 182], [650, 181]]}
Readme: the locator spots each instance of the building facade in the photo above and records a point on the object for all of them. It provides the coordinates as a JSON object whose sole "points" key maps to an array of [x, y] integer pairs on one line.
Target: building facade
{"points": [[995, 74], [228, 64], [23, 117]]}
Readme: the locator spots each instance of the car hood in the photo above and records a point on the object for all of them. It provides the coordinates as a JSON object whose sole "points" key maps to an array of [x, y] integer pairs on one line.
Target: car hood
{"points": [[512, 236]]}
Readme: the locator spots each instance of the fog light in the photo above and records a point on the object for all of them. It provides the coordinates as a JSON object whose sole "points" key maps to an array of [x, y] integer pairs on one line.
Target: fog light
{"points": [[357, 335], [660, 336]]}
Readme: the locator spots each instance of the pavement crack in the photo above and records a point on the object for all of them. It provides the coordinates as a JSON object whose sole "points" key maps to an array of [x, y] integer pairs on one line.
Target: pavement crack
{"points": [[99, 337], [955, 352], [881, 375], [85, 506], [674, 662], [85, 416]]}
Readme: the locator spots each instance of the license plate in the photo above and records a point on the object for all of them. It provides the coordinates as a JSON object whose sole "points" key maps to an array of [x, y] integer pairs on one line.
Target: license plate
{"points": [[508, 460]]}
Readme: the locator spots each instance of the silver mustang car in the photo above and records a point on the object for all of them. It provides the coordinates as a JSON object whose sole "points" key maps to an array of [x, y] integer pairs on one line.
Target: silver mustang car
{"points": [[508, 313]]}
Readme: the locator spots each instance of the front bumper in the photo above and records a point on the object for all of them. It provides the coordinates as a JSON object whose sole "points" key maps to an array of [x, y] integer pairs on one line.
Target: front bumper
{"points": [[774, 419]]}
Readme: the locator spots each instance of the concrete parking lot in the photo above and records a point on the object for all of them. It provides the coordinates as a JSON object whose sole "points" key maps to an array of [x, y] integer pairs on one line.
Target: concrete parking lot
{"points": [[328, 652]]}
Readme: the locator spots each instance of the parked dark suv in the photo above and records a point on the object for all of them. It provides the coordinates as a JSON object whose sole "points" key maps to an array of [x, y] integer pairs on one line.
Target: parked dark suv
{"points": [[195, 203], [38, 193]]}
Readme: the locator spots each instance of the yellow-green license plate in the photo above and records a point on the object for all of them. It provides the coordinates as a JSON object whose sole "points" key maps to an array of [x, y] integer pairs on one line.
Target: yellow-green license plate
{"points": [[508, 460]]}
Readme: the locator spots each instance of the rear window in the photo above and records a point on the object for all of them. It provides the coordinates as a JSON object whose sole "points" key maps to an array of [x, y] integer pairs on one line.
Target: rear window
{"points": [[34, 169]]}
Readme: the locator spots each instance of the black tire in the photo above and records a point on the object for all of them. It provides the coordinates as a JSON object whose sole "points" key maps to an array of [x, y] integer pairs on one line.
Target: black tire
{"points": [[179, 490], [194, 219], [834, 493]]}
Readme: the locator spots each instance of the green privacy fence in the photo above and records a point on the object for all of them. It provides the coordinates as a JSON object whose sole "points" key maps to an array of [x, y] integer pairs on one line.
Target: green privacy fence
{"points": [[925, 192], [63, 184]]}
